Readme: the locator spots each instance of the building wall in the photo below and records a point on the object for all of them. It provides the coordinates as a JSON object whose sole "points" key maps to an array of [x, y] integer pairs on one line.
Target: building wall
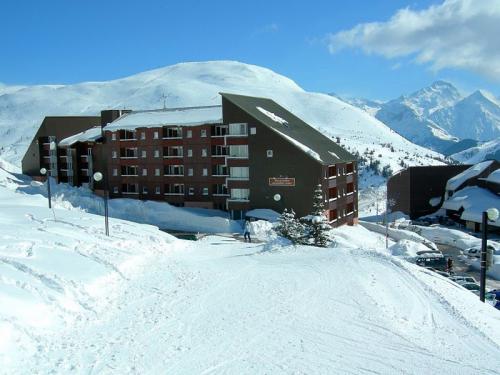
{"points": [[412, 188]]}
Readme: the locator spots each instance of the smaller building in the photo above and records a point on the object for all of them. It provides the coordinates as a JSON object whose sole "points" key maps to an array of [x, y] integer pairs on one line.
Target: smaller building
{"points": [[419, 191]]}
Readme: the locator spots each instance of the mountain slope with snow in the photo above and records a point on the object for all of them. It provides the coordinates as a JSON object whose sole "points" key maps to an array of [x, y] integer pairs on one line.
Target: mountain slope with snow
{"points": [[484, 151], [192, 84], [142, 302], [476, 117]]}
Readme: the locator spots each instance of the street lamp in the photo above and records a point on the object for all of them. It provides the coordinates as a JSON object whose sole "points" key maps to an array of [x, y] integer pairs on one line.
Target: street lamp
{"points": [[489, 214], [99, 177], [43, 172]]}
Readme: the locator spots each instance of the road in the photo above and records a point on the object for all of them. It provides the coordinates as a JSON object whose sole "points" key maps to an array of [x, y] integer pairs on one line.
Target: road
{"points": [[462, 268]]}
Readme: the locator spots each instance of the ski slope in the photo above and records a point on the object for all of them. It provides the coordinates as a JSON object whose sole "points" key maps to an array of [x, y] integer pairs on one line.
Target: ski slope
{"points": [[140, 301]]}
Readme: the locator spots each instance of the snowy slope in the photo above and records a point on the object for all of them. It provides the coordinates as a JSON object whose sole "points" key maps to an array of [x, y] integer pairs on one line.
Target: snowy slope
{"points": [[476, 117], [142, 302], [194, 84], [473, 155]]}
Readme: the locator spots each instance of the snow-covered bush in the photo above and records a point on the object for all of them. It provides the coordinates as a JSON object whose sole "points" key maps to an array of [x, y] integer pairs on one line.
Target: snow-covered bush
{"points": [[290, 227]]}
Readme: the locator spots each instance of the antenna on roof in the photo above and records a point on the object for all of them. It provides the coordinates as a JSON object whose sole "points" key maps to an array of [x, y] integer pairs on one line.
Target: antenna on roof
{"points": [[164, 97]]}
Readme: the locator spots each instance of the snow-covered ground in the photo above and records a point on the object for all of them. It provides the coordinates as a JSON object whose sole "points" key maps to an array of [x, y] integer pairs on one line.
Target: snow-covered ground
{"points": [[140, 301]]}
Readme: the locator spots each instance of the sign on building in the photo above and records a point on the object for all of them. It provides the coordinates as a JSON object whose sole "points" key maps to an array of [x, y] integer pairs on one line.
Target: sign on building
{"points": [[281, 181]]}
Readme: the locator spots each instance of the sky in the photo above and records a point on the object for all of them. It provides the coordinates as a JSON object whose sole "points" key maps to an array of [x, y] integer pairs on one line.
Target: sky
{"points": [[359, 48]]}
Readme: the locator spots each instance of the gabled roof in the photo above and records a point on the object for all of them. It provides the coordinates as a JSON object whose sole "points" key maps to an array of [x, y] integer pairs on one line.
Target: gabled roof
{"points": [[457, 181], [188, 116], [292, 128], [89, 135]]}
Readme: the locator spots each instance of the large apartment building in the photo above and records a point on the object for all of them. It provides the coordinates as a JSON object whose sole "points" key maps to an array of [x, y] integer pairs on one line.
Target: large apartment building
{"points": [[246, 153]]}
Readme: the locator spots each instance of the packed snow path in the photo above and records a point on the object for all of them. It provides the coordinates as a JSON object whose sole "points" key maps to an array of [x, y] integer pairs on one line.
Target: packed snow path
{"points": [[220, 306]]}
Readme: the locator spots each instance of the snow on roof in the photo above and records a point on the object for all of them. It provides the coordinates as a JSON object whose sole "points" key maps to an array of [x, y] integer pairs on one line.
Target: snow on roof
{"points": [[189, 116], [475, 201], [494, 177], [302, 146], [455, 182], [272, 116], [264, 214], [88, 135]]}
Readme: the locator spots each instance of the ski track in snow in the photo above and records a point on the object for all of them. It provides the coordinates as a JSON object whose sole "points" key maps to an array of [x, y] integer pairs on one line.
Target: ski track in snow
{"points": [[189, 312]]}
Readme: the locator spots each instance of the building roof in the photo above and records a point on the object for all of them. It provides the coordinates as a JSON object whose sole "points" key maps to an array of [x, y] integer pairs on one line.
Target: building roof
{"points": [[263, 214], [494, 177], [89, 135], [456, 181], [189, 116], [474, 200], [292, 128]]}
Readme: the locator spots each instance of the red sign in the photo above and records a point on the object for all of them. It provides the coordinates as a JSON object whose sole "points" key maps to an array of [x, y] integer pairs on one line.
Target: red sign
{"points": [[281, 181]]}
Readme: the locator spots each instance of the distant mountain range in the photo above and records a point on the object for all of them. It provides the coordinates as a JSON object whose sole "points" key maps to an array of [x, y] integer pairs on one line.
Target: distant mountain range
{"points": [[439, 117]]}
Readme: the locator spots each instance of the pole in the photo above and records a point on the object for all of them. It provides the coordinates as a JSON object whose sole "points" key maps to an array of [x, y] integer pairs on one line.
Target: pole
{"points": [[48, 190], [482, 282], [105, 183], [106, 220], [386, 222]]}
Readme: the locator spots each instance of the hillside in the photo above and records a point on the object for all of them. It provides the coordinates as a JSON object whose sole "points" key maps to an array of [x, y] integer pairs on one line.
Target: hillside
{"points": [[191, 84], [75, 301], [473, 155]]}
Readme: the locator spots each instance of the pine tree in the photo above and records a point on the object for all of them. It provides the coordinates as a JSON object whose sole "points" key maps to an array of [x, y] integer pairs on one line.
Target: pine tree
{"points": [[289, 227], [318, 228]]}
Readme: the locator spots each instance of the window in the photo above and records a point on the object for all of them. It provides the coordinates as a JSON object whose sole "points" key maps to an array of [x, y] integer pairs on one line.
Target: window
{"points": [[219, 170], [143, 153], [157, 171], [113, 137], [177, 189], [127, 135], [174, 170], [240, 151], [157, 153], [203, 133], [143, 135], [332, 193], [172, 132], [172, 152], [253, 130], [269, 153], [204, 152], [113, 154], [190, 171], [155, 135], [129, 170], [115, 172], [332, 171], [144, 190], [238, 129], [205, 172], [240, 194], [115, 189], [332, 215], [205, 191], [130, 188], [219, 189], [144, 171], [157, 190], [189, 134], [219, 130], [239, 173], [219, 150], [128, 152], [191, 191], [190, 153]]}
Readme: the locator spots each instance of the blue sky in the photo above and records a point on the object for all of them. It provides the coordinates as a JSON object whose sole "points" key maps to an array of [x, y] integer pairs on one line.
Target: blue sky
{"points": [[62, 41]]}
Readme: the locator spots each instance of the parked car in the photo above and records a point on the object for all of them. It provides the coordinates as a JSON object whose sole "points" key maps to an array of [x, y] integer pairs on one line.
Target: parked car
{"points": [[433, 260], [490, 298], [475, 252], [463, 279], [445, 220]]}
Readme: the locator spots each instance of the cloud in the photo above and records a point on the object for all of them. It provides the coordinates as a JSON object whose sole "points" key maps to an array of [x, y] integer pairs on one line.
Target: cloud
{"points": [[463, 34]]}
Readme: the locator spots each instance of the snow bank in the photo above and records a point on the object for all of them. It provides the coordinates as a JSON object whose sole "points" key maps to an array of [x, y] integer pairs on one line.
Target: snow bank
{"points": [[407, 248], [160, 214]]}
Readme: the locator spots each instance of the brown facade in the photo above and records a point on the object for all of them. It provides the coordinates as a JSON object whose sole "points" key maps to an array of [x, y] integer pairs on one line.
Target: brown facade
{"points": [[412, 188]]}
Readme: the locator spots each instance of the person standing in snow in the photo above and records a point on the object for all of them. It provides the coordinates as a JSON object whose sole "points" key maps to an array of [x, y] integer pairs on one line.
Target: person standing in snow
{"points": [[450, 265], [246, 231]]}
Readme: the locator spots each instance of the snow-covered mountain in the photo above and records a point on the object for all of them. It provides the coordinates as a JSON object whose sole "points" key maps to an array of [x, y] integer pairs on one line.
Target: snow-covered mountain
{"points": [[476, 117], [473, 155], [439, 116], [187, 84]]}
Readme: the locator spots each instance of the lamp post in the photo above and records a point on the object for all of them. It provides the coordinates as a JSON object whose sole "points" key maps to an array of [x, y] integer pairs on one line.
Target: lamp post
{"points": [[43, 172], [489, 214], [99, 177]]}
